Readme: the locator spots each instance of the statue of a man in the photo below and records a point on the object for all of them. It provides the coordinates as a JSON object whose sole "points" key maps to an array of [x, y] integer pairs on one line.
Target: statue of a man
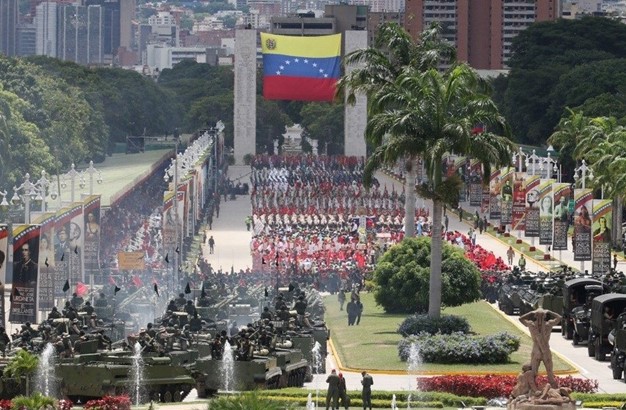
{"points": [[540, 323]]}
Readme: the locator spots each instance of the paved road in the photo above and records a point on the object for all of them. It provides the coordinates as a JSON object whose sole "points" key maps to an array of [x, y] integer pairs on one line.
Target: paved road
{"points": [[232, 249]]}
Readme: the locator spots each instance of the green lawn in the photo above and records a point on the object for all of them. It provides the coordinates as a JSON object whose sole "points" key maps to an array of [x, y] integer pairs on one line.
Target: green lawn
{"points": [[373, 344]]}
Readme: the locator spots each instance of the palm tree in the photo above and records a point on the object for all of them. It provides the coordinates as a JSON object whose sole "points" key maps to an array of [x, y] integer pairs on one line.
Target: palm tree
{"points": [[429, 115], [379, 67], [22, 365]]}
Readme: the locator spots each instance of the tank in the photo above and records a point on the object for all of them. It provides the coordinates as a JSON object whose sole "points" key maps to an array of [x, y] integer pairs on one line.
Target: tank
{"points": [[93, 375]]}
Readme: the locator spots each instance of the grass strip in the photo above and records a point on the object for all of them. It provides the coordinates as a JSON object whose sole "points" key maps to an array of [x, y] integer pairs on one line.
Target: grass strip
{"points": [[377, 333]]}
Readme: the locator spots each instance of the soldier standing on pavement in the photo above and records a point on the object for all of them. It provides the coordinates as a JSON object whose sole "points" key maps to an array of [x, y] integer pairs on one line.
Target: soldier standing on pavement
{"points": [[366, 393]]}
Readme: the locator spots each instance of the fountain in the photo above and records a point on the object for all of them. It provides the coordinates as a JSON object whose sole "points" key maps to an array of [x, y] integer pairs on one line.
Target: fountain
{"points": [[227, 367], [317, 366], [136, 373], [309, 403], [45, 371], [414, 363], [394, 406]]}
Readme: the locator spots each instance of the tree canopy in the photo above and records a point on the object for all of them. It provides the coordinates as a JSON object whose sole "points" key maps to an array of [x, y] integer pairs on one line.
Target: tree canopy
{"points": [[559, 64], [402, 277]]}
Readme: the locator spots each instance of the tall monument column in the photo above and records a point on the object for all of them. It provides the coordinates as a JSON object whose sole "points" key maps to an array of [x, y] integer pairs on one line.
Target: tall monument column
{"points": [[355, 115], [245, 94]]}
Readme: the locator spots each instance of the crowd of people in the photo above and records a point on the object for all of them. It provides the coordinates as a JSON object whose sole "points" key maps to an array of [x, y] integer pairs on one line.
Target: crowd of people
{"points": [[313, 218]]}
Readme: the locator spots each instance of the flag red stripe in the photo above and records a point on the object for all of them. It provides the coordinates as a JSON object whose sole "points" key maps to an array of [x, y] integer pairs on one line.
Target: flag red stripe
{"points": [[298, 88]]}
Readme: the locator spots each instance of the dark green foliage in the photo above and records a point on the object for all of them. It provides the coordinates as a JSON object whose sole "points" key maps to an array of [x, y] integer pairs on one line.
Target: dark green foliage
{"points": [[445, 324], [548, 60], [460, 348], [402, 277], [248, 401]]}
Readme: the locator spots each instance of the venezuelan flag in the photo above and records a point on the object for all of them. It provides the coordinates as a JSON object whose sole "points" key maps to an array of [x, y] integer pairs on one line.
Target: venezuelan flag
{"points": [[300, 68]]}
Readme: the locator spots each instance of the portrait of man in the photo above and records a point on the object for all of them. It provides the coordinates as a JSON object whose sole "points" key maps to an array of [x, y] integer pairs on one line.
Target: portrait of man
{"points": [[63, 243], [602, 233], [507, 192], [25, 272], [561, 210]]}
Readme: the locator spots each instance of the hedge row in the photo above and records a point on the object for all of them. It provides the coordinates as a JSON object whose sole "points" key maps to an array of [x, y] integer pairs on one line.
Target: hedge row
{"points": [[460, 348], [446, 324], [302, 401]]}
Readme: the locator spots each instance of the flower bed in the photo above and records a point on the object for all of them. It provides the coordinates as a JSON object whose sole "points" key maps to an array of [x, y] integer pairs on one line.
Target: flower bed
{"points": [[460, 348], [492, 386]]}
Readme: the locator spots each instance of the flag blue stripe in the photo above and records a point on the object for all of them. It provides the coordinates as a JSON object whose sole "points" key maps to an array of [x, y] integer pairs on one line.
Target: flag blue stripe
{"points": [[278, 64]]}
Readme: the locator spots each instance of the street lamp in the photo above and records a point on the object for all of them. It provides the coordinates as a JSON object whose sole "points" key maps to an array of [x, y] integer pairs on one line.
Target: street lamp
{"points": [[531, 160], [4, 204], [584, 171], [72, 174], [44, 183], [91, 171], [29, 191], [518, 158], [550, 164]]}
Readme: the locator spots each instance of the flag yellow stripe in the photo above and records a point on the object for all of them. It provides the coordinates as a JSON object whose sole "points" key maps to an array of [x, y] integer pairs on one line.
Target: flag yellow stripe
{"points": [[320, 46]]}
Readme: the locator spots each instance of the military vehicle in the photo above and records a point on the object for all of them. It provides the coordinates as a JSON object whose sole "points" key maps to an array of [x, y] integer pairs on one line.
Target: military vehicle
{"points": [[604, 311], [582, 315], [617, 338], [510, 299], [574, 295], [284, 367], [93, 375]]}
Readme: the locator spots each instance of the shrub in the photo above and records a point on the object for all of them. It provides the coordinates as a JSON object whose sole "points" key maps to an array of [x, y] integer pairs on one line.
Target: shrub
{"points": [[445, 324], [109, 403], [5, 404], [250, 401], [460, 348], [402, 277], [492, 386]]}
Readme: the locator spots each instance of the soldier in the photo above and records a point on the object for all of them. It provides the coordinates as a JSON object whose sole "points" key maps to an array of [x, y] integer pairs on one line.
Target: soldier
{"points": [[101, 301], [54, 313], [180, 301], [366, 393], [195, 323], [333, 390], [77, 301], [204, 301], [87, 308], [266, 314], [4, 341], [190, 308], [300, 308]]}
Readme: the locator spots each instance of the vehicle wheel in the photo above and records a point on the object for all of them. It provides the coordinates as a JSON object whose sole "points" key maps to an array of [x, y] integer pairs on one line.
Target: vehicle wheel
{"points": [[598, 350], [569, 331], [591, 348], [575, 339], [615, 368], [176, 396], [166, 396]]}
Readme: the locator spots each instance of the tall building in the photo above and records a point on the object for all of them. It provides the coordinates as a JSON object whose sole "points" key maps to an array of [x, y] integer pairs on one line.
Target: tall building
{"points": [[112, 24], [482, 30], [8, 27], [46, 29], [81, 33], [26, 40]]}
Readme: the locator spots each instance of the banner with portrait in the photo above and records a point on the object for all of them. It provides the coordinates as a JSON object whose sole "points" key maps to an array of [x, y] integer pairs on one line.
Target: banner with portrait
{"points": [[494, 195], [25, 274], [77, 238], [185, 221], [4, 260], [91, 242], [531, 220], [582, 224], [519, 202], [475, 178], [562, 193], [507, 175], [546, 209], [601, 228], [46, 279], [170, 222]]}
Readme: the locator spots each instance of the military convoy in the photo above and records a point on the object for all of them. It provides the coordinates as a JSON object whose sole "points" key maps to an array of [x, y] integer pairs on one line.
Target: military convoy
{"points": [[591, 313], [189, 363]]}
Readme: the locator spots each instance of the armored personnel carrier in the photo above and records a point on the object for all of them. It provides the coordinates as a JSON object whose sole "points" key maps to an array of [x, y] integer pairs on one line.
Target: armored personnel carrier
{"points": [[93, 375]]}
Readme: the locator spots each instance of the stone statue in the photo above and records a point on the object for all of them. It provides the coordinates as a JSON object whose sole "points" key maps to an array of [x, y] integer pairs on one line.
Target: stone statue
{"points": [[525, 395], [540, 326]]}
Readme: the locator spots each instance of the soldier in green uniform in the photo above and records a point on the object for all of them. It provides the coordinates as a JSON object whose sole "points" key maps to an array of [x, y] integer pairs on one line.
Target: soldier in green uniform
{"points": [[366, 394], [333, 390]]}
